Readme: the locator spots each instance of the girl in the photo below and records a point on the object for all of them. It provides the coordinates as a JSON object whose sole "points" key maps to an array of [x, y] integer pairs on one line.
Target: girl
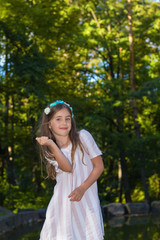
{"points": [[74, 159]]}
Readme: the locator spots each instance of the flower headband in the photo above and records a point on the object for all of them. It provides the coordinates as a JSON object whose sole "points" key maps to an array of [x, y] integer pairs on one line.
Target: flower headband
{"points": [[47, 109]]}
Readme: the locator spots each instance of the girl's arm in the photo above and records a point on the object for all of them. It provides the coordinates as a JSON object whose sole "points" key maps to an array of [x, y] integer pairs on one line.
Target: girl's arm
{"points": [[98, 168], [62, 161]]}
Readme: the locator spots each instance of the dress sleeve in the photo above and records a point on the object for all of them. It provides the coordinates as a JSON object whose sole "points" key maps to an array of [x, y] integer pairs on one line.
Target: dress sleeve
{"points": [[53, 163], [89, 144]]}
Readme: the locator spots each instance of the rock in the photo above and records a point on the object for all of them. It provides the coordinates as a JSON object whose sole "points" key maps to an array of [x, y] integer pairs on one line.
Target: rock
{"points": [[42, 213], [11, 221], [4, 211], [155, 207], [26, 217], [114, 209], [137, 208], [7, 223], [25, 210]]}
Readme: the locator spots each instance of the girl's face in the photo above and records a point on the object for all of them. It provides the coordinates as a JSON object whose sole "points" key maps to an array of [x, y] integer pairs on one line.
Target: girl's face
{"points": [[60, 124]]}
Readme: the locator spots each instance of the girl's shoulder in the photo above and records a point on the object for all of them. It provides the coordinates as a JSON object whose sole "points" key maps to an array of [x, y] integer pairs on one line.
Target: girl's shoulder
{"points": [[84, 134], [89, 143]]}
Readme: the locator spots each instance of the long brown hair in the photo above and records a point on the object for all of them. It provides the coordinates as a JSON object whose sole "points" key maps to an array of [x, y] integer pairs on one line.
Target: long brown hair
{"points": [[45, 131]]}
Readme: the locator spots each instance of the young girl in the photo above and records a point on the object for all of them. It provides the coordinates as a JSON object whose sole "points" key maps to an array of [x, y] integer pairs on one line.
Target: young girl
{"points": [[74, 159]]}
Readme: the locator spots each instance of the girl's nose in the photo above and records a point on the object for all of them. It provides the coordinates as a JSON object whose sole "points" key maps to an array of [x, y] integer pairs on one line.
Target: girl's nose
{"points": [[64, 121]]}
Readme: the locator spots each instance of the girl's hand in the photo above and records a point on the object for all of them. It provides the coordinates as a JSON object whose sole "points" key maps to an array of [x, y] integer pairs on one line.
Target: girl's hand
{"points": [[77, 194], [44, 141]]}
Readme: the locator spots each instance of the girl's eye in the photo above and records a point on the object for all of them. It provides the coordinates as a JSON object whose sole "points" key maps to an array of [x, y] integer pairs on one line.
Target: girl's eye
{"points": [[58, 119], [68, 119]]}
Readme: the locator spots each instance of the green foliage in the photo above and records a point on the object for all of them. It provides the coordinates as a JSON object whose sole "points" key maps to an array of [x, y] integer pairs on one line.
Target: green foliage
{"points": [[154, 189], [78, 51], [20, 197]]}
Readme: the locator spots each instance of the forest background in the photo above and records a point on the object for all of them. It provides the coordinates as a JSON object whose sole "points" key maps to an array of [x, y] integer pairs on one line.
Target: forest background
{"points": [[102, 57]]}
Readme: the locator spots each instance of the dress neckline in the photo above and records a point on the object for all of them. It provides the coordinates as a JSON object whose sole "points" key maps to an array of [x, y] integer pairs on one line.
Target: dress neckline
{"points": [[63, 148]]}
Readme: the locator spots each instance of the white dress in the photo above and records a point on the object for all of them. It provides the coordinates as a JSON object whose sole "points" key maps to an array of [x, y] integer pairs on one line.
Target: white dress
{"points": [[67, 220]]}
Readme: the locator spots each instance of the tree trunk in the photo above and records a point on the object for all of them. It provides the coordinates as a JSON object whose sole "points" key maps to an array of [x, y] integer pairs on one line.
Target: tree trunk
{"points": [[135, 108], [125, 181], [119, 181], [8, 149], [11, 162], [119, 68], [123, 172], [6, 110]]}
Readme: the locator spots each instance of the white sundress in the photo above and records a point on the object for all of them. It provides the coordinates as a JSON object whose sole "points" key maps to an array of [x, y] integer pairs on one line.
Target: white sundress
{"points": [[67, 220]]}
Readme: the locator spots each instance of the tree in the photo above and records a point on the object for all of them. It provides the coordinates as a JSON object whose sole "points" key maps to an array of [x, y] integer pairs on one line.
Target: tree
{"points": [[79, 51]]}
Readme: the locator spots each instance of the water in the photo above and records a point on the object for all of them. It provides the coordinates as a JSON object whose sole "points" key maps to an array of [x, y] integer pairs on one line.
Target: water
{"points": [[121, 228], [133, 228], [27, 232]]}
